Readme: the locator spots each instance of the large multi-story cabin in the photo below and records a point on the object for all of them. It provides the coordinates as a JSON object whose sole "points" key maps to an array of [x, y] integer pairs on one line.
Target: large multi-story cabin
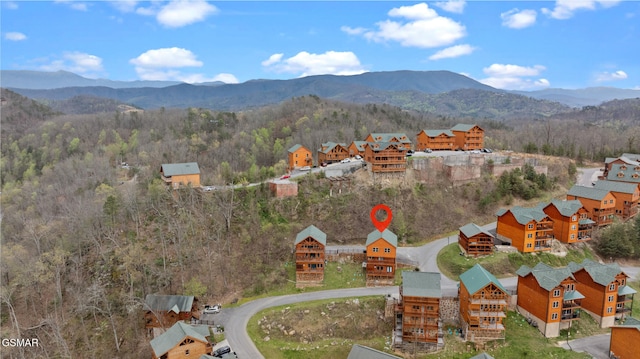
{"points": [[389, 137], [468, 137], [483, 305], [475, 241], [357, 148], [386, 157], [436, 140], [549, 297], [310, 255], [626, 194], [331, 152], [299, 156], [600, 203], [607, 295], [527, 229], [571, 223], [180, 174], [163, 311], [381, 257], [418, 311], [182, 341], [624, 338], [624, 173], [631, 159]]}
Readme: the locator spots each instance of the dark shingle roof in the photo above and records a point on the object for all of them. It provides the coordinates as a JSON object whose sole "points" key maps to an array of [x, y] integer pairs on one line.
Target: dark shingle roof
{"points": [[361, 352], [175, 335], [313, 232], [421, 284], [176, 303], [173, 169], [477, 278], [387, 235]]}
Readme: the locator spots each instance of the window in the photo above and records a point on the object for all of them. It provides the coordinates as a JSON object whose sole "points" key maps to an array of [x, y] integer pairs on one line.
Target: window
{"points": [[610, 298], [612, 286], [609, 310], [556, 304], [528, 245], [573, 236], [387, 250], [186, 352], [573, 227], [556, 293], [530, 226], [574, 218], [389, 269], [611, 201], [530, 235], [375, 249], [554, 316]]}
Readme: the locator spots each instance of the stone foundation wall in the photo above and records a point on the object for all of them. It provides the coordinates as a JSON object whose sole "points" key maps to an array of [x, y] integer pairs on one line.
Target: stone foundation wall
{"points": [[450, 310]]}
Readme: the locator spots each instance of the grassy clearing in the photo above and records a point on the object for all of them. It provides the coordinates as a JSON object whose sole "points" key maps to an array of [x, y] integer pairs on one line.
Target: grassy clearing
{"points": [[321, 329], [501, 264]]}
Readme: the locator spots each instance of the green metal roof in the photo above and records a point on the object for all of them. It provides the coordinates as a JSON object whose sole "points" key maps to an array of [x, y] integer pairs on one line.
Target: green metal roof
{"points": [[477, 278], [328, 146], [603, 274], [360, 145], [173, 169], [175, 335], [586, 221], [588, 192], [361, 352], [294, 148], [421, 284], [630, 322], [546, 276], [524, 215], [471, 229], [313, 232], [389, 137], [572, 295], [482, 356], [625, 289], [621, 187], [462, 127], [387, 235], [436, 133], [630, 174], [384, 145], [567, 208], [179, 303]]}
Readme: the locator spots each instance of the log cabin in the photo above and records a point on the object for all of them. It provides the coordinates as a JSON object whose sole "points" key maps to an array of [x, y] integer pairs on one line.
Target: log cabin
{"points": [[627, 196], [600, 203], [605, 287], [475, 241], [361, 352], [182, 341], [180, 174], [624, 338], [571, 223], [389, 137], [483, 305], [549, 297], [418, 311], [381, 257], [468, 137], [386, 157], [624, 173], [526, 229], [331, 152], [436, 140], [163, 311], [631, 159], [357, 148], [299, 156], [310, 256]]}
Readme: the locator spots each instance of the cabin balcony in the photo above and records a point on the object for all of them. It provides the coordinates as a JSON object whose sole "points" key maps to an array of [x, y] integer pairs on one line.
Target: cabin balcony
{"points": [[487, 313], [569, 315], [491, 300], [544, 227], [301, 260]]}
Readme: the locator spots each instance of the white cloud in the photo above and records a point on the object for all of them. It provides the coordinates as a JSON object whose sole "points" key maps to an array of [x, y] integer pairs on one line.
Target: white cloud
{"points": [[453, 51], [353, 30], [455, 6], [422, 27], [11, 5], [124, 5], [15, 36], [166, 58], [564, 9], [514, 77], [76, 62], [517, 19], [75, 5], [611, 76], [306, 64], [226, 78], [184, 12]]}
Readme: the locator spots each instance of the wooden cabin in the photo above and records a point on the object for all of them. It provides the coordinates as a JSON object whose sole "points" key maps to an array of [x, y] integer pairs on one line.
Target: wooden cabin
{"points": [[435, 140], [389, 137], [475, 241], [571, 223], [163, 311], [626, 194], [631, 159], [182, 341], [310, 256], [386, 157], [549, 297], [331, 152], [629, 173], [357, 148], [361, 352], [624, 338], [468, 137], [180, 174], [527, 229], [418, 311], [600, 203], [381, 257], [299, 156], [483, 305], [605, 287]]}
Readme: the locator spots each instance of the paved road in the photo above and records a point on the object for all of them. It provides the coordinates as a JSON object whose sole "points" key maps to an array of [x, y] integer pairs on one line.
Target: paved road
{"points": [[597, 345], [587, 176]]}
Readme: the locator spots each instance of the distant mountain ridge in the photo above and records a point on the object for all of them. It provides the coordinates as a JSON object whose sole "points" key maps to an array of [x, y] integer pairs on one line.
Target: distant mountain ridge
{"points": [[41, 80]]}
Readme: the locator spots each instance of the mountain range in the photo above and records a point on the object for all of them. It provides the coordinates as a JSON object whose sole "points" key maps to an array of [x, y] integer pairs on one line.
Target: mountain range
{"points": [[440, 92]]}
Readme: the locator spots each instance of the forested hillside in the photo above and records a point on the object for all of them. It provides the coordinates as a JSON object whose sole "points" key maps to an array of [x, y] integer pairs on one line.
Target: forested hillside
{"points": [[84, 239]]}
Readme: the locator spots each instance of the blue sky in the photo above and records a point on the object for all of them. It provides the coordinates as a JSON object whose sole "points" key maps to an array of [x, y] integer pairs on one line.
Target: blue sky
{"points": [[515, 45]]}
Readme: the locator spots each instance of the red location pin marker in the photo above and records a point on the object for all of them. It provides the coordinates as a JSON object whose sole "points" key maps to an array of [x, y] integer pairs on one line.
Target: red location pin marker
{"points": [[381, 225]]}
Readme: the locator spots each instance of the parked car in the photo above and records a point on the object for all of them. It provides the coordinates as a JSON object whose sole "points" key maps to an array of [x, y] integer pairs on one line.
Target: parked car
{"points": [[358, 157], [212, 309], [285, 176], [486, 150], [324, 164], [346, 160], [428, 150], [476, 152], [208, 188], [221, 351]]}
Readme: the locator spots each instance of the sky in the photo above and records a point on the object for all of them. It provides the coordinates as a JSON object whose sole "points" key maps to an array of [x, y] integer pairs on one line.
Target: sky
{"points": [[514, 45]]}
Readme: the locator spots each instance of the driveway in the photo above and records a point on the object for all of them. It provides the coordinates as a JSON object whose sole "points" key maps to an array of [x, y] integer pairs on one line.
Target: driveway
{"points": [[597, 346]]}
